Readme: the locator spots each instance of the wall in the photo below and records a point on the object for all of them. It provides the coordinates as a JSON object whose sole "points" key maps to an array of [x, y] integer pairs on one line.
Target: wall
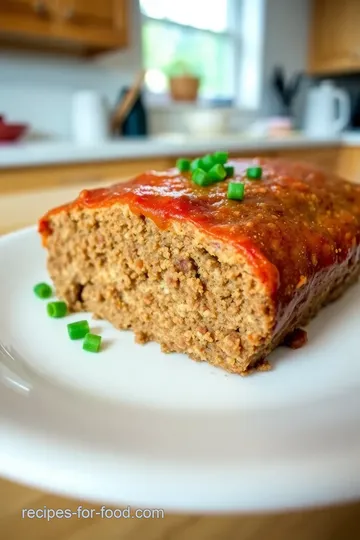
{"points": [[285, 44], [37, 88]]}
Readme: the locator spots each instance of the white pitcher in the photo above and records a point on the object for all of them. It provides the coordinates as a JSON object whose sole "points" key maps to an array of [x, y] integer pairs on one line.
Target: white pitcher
{"points": [[90, 122], [327, 110]]}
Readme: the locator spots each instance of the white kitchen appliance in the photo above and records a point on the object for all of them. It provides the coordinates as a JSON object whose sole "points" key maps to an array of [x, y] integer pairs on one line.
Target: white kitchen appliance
{"points": [[90, 118], [327, 110]]}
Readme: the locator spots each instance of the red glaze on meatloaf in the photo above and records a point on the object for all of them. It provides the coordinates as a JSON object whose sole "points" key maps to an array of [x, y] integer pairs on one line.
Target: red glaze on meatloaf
{"points": [[298, 228]]}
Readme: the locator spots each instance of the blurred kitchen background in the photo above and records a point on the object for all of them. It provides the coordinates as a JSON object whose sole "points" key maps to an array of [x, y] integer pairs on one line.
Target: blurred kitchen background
{"points": [[93, 89]]}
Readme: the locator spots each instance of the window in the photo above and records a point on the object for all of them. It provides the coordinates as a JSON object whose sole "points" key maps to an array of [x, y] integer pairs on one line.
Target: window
{"points": [[196, 36]]}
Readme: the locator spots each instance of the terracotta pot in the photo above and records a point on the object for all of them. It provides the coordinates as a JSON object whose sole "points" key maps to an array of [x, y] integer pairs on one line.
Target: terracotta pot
{"points": [[184, 88]]}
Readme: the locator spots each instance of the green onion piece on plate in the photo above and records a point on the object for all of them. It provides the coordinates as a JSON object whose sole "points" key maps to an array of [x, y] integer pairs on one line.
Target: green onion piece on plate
{"points": [[221, 157], [183, 164], [78, 330], [201, 178], [92, 343], [235, 191], [254, 173], [43, 290], [217, 173], [56, 309], [229, 171]]}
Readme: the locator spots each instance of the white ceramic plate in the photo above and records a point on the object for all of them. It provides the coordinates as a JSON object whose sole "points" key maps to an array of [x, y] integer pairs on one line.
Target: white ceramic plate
{"points": [[132, 425]]}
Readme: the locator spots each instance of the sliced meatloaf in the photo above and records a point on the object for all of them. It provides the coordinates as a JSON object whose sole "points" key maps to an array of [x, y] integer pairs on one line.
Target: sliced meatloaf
{"points": [[223, 281]]}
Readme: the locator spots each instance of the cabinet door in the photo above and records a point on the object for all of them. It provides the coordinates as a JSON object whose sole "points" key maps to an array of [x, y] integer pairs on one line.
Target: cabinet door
{"points": [[349, 163], [335, 39], [95, 23], [26, 17], [23, 8]]}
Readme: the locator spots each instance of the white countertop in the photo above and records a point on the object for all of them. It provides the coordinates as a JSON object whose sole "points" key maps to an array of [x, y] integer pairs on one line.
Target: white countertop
{"points": [[42, 153], [350, 138]]}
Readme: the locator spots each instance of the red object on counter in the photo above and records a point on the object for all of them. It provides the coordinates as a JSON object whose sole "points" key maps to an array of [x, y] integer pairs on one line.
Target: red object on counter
{"points": [[11, 132]]}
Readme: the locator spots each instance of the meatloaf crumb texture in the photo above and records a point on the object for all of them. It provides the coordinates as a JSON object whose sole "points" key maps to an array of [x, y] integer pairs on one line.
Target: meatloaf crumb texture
{"points": [[188, 290]]}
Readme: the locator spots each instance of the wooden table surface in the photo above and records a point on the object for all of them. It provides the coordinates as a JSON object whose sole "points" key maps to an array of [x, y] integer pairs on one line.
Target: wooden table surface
{"points": [[336, 523]]}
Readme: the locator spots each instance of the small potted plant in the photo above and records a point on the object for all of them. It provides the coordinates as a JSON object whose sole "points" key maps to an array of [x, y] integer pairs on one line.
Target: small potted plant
{"points": [[183, 81]]}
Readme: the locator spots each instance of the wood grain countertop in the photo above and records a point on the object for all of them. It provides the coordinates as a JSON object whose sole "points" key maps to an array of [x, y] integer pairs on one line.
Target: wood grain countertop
{"points": [[336, 523]]}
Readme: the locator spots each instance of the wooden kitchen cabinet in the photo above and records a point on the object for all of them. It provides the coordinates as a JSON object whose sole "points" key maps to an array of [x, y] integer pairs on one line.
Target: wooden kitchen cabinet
{"points": [[326, 158], [85, 25], [99, 24], [25, 19], [334, 38], [349, 163], [30, 10], [89, 173]]}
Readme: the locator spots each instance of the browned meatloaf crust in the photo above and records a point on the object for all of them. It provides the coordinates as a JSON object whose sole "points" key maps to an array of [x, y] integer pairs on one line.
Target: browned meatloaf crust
{"points": [[223, 281]]}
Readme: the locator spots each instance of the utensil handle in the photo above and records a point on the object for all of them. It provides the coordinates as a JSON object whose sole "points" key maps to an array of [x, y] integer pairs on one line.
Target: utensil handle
{"points": [[123, 109]]}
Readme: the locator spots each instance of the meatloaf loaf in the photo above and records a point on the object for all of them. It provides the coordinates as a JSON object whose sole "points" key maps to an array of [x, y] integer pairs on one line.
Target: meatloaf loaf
{"points": [[224, 281]]}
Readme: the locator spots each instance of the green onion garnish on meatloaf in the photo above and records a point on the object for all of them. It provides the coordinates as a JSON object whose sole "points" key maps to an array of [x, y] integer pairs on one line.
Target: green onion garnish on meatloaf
{"points": [[235, 191], [217, 173], [221, 157], [229, 171], [254, 173], [183, 164], [211, 168], [201, 178]]}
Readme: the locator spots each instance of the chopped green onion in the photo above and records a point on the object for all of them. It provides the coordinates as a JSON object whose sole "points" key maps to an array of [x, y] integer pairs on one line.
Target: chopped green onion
{"points": [[254, 173], [195, 164], [201, 178], [221, 157], [56, 309], [217, 173], [229, 171], [42, 290], [92, 343], [207, 162], [78, 330], [235, 191], [183, 164]]}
